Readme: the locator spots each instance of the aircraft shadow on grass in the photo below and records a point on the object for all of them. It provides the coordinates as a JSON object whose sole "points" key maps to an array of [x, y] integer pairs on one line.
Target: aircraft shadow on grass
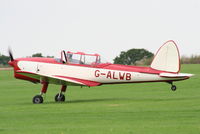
{"points": [[89, 100], [122, 99]]}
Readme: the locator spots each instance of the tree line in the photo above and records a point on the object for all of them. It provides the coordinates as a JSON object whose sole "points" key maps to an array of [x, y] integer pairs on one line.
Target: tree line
{"points": [[4, 60], [144, 57], [194, 59], [134, 57]]}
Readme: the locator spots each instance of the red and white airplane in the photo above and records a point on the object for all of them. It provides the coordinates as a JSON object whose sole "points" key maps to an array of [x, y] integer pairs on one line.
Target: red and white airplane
{"points": [[80, 69]]}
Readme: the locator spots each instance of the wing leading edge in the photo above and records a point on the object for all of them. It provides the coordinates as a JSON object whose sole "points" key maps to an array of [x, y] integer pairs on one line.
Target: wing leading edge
{"points": [[57, 79]]}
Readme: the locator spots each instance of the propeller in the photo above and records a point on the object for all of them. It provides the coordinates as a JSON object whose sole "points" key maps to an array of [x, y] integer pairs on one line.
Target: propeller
{"points": [[10, 54]]}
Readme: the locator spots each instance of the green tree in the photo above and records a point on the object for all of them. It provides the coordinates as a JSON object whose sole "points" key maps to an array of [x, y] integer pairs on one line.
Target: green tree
{"points": [[4, 60], [131, 56], [40, 55], [37, 55], [50, 56]]}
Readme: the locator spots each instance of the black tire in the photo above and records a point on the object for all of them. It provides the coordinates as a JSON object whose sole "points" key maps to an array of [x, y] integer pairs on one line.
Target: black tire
{"points": [[173, 88], [37, 99], [59, 97]]}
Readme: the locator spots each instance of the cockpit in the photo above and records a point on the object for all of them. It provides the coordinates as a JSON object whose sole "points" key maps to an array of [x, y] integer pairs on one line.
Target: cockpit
{"points": [[80, 58]]}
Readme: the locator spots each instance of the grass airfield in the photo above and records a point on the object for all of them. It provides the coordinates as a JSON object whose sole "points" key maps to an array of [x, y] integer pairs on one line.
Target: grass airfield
{"points": [[149, 108]]}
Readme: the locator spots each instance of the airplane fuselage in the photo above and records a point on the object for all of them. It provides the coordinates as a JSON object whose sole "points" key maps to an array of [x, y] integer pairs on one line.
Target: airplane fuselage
{"points": [[103, 74]]}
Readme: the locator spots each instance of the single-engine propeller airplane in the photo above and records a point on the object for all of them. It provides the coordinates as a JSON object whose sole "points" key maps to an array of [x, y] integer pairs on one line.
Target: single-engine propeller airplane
{"points": [[81, 69]]}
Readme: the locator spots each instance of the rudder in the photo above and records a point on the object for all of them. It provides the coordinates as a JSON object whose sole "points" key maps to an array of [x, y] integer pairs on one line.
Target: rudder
{"points": [[167, 58]]}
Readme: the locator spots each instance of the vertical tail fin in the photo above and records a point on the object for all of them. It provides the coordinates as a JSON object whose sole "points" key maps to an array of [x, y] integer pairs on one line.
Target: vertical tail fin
{"points": [[167, 58]]}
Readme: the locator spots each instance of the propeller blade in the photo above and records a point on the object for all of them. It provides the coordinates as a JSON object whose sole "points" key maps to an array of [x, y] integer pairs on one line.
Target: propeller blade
{"points": [[10, 54]]}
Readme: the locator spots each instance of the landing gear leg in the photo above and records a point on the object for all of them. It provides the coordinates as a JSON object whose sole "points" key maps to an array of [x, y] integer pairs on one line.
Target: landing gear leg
{"points": [[39, 98], [60, 97], [173, 87]]}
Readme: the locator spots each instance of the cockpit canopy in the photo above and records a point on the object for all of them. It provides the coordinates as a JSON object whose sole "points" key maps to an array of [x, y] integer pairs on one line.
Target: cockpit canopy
{"points": [[80, 58]]}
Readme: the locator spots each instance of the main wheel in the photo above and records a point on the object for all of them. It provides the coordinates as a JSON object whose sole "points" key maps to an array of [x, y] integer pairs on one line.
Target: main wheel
{"points": [[59, 97], [37, 99], [173, 88]]}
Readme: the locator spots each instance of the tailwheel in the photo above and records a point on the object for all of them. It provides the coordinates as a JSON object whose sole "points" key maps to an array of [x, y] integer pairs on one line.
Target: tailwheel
{"points": [[173, 88], [37, 99], [60, 97]]}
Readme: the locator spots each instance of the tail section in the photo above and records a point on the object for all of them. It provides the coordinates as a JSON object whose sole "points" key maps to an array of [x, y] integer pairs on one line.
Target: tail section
{"points": [[167, 58]]}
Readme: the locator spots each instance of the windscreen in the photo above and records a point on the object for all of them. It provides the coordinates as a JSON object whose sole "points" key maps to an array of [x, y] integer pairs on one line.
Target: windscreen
{"points": [[83, 59]]}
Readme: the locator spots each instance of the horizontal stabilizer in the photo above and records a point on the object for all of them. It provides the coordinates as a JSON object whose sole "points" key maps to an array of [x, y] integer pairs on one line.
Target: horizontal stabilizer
{"points": [[172, 75]]}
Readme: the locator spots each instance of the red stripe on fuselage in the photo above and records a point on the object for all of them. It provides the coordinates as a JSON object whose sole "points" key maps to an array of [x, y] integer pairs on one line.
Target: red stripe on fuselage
{"points": [[38, 59]]}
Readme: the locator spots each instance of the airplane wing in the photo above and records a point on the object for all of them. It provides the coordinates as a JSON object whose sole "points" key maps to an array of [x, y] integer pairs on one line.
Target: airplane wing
{"points": [[172, 75], [58, 79]]}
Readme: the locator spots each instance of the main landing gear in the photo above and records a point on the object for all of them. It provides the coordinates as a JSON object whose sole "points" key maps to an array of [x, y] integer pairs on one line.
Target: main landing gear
{"points": [[173, 87], [60, 97], [39, 98]]}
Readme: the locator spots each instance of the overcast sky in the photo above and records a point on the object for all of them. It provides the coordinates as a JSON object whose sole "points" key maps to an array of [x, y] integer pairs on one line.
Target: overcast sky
{"points": [[106, 27]]}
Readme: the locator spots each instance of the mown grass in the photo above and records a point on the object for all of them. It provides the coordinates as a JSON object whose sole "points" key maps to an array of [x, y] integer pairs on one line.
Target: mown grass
{"points": [[149, 108]]}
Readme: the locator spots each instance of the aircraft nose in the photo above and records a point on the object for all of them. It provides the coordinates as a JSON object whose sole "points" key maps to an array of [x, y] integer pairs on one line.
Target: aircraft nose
{"points": [[11, 63]]}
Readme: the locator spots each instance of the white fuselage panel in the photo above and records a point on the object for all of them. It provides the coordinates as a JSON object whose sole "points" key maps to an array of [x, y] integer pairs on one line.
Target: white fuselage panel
{"points": [[89, 73]]}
